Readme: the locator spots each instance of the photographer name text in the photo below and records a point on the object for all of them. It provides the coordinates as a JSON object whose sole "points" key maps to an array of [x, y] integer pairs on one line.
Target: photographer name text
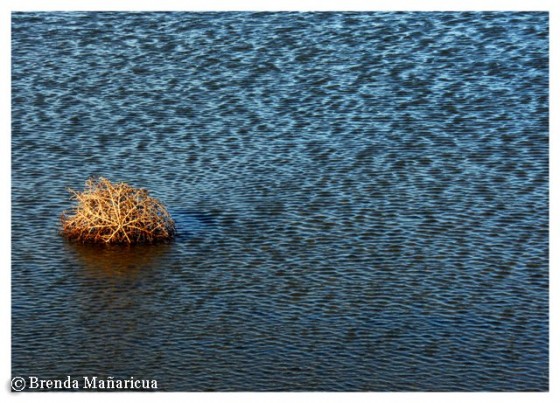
{"points": [[86, 382]]}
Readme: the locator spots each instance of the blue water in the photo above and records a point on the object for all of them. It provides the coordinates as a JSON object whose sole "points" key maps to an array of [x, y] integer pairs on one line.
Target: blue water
{"points": [[361, 198]]}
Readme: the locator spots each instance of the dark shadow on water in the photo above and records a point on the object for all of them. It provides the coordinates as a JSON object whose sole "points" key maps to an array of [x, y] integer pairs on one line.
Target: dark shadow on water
{"points": [[190, 223]]}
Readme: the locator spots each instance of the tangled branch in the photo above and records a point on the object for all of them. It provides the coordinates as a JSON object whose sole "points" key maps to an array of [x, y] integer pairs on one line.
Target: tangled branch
{"points": [[116, 213]]}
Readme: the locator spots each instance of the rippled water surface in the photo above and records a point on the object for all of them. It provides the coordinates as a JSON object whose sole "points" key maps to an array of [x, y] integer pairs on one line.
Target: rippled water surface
{"points": [[362, 199]]}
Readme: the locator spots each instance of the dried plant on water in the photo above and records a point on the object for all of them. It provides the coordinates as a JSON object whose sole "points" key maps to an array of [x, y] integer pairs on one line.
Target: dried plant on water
{"points": [[114, 213]]}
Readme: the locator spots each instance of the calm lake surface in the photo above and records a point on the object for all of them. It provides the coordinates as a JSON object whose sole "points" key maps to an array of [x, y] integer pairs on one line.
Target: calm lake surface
{"points": [[361, 198]]}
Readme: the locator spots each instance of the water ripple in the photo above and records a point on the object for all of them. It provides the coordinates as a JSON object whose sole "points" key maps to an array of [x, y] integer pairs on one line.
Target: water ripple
{"points": [[361, 198]]}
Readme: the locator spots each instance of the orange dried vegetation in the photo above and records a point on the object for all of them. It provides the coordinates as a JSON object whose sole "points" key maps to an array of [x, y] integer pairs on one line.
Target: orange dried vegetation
{"points": [[114, 213]]}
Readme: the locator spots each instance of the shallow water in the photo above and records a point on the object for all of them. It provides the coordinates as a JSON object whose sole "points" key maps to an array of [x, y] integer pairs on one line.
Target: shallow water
{"points": [[362, 199]]}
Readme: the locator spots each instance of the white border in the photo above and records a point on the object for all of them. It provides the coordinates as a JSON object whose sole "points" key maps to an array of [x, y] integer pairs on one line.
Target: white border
{"points": [[7, 6], [280, 5]]}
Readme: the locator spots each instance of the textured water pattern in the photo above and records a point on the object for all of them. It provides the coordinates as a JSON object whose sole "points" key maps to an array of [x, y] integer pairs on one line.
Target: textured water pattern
{"points": [[362, 199]]}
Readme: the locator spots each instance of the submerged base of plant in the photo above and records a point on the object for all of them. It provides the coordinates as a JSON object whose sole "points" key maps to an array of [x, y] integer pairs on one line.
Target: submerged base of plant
{"points": [[113, 213]]}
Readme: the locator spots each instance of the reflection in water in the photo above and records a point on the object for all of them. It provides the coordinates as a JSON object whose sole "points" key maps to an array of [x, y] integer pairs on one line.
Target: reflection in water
{"points": [[125, 261], [118, 289]]}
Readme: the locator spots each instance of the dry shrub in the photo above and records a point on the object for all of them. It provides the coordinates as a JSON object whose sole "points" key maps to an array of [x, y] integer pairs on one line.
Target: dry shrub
{"points": [[114, 213]]}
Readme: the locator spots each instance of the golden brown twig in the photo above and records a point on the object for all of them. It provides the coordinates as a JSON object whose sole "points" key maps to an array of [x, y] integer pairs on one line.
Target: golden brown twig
{"points": [[116, 213]]}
